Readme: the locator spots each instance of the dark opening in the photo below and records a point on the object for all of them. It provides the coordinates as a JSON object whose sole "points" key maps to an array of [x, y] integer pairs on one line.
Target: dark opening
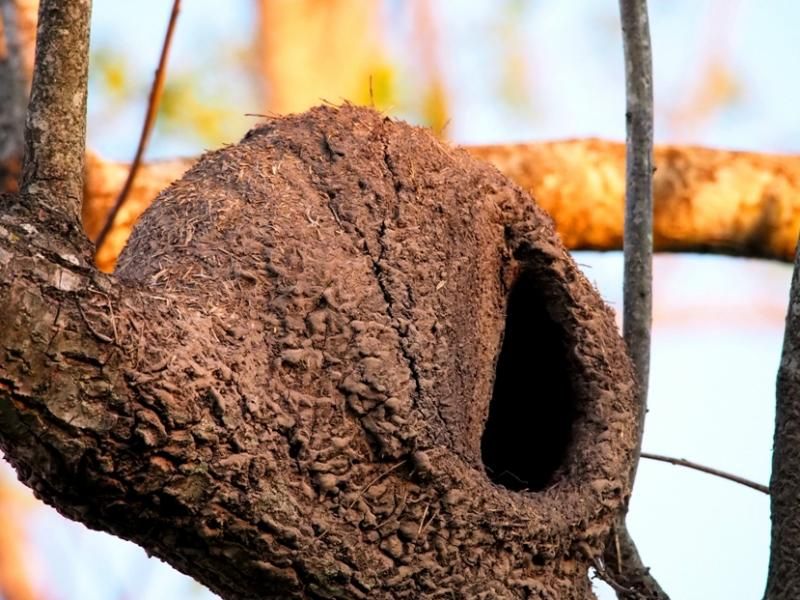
{"points": [[530, 418]]}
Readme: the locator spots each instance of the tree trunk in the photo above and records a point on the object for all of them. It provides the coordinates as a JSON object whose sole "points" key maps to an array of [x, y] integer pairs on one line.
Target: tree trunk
{"points": [[338, 360], [783, 579]]}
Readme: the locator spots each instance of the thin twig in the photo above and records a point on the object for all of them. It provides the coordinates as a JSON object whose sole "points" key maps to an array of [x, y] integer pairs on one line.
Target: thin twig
{"points": [[153, 101], [682, 462], [100, 336], [638, 258], [638, 234], [375, 480]]}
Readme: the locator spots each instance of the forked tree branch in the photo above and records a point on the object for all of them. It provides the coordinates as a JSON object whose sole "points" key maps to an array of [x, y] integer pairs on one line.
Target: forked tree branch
{"points": [[13, 83], [682, 462]]}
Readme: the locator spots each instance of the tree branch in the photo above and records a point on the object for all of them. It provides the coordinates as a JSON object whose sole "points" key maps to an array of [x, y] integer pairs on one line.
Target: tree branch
{"points": [[55, 129], [638, 236], [783, 577], [156, 91], [705, 200], [638, 259], [682, 462]]}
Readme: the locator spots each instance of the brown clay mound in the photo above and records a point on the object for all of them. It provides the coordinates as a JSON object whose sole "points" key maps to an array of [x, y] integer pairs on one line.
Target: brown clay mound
{"points": [[391, 370]]}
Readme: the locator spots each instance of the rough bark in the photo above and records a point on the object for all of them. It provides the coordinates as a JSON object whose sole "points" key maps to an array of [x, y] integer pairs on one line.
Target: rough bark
{"points": [[638, 225], [284, 393], [783, 580]]}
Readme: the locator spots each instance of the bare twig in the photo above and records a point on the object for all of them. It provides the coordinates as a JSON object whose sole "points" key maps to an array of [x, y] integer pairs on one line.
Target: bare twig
{"points": [[55, 128], [152, 110], [638, 257], [682, 462], [375, 480], [783, 576], [581, 184]]}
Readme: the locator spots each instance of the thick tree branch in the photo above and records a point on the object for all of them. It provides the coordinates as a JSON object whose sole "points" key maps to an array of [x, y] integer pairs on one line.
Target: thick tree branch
{"points": [[783, 579], [55, 128], [705, 200]]}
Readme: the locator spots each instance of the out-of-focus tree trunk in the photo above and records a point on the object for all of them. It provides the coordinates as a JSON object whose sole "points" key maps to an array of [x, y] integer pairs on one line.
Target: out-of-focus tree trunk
{"points": [[15, 555], [310, 51], [17, 37], [706, 200]]}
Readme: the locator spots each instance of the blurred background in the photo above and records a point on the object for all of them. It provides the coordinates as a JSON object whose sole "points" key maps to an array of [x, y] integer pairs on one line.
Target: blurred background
{"points": [[488, 71]]}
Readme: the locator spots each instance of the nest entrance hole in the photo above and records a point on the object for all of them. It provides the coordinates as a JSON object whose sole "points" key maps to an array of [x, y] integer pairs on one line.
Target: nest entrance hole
{"points": [[529, 427]]}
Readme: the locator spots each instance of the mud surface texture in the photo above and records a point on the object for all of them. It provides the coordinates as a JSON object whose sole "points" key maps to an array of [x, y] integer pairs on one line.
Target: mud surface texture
{"points": [[344, 360]]}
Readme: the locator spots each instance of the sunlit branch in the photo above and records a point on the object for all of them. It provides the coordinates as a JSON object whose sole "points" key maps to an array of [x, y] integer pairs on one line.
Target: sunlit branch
{"points": [[55, 128]]}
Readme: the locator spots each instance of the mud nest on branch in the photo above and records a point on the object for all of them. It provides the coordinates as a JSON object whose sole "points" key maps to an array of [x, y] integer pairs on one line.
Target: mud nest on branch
{"points": [[397, 382]]}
